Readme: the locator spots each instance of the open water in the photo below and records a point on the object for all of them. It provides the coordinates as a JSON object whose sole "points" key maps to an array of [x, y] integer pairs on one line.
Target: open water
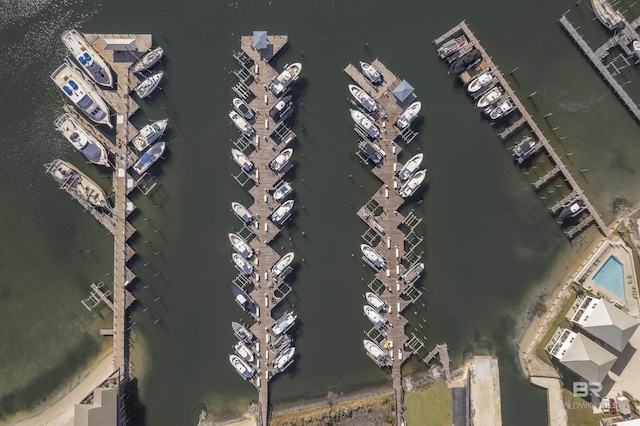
{"points": [[489, 240]]}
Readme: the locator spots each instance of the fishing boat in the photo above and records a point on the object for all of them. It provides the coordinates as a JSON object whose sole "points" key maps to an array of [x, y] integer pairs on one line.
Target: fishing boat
{"points": [[280, 344], [363, 98], [244, 352], [572, 209], [81, 94], [149, 134], [607, 15], [408, 115], [82, 140], [286, 77], [373, 256], [365, 123], [502, 109], [411, 185], [148, 60], [91, 61], [242, 160], [240, 245], [466, 61], [243, 109], [244, 370], [284, 359], [282, 191], [490, 97], [243, 300], [73, 180], [241, 124], [376, 354], [525, 149], [149, 157], [410, 167], [242, 264], [282, 212], [480, 81], [278, 163], [148, 85], [373, 315], [371, 72], [375, 301], [413, 273], [451, 46], [282, 109], [242, 332], [284, 323], [282, 264], [242, 212]]}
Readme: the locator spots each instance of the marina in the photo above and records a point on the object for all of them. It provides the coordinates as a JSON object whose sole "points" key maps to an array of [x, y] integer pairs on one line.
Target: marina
{"points": [[559, 166]]}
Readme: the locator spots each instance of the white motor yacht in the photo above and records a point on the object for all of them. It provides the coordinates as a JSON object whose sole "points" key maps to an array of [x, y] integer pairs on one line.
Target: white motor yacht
{"points": [[242, 212], [282, 212], [376, 353], [373, 315], [371, 72], [365, 123], [282, 191], [375, 301], [490, 97], [244, 352], [282, 264], [290, 74], [243, 265], [82, 140], [480, 81], [86, 55], [363, 98], [242, 332], [281, 160], [373, 256], [240, 245], [284, 323], [408, 115], [243, 109], [149, 157], [149, 134], [243, 369], [242, 159], [284, 359], [242, 124], [410, 186], [410, 167]]}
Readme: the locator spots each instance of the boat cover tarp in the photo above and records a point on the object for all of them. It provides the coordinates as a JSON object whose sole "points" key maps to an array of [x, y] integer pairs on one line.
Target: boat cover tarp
{"points": [[403, 91], [259, 40]]}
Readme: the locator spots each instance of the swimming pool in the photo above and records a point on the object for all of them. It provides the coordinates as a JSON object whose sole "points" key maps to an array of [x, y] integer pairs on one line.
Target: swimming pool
{"points": [[611, 276]]}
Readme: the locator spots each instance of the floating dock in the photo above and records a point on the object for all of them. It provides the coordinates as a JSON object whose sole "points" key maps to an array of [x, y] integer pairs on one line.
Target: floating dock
{"points": [[559, 166]]}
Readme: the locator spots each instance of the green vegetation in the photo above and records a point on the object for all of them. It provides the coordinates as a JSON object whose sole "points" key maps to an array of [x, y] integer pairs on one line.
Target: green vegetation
{"points": [[429, 406], [579, 412]]}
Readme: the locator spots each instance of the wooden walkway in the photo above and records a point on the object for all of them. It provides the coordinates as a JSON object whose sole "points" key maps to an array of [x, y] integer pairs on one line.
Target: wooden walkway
{"points": [[463, 27]]}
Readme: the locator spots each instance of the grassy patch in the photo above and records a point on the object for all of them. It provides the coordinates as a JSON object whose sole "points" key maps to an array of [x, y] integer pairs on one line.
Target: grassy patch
{"points": [[579, 411], [559, 321], [429, 406]]}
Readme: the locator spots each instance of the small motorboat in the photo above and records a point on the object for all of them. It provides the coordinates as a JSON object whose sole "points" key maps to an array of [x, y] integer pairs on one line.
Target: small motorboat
{"points": [[282, 109], [242, 212], [281, 265], [284, 359], [284, 323], [373, 256], [290, 74], [82, 140], [410, 167], [242, 264], [86, 55], [376, 354], [363, 98], [451, 46], [373, 315], [242, 332], [240, 245], [572, 209], [243, 299], [278, 163], [408, 115], [282, 212], [148, 60], [365, 123], [148, 85], [525, 149], [490, 97], [282, 191], [372, 74], [280, 344], [243, 109], [242, 124], [244, 370], [413, 273], [244, 352], [149, 134], [242, 160], [148, 158], [480, 81], [502, 109], [636, 47], [411, 186], [375, 301]]}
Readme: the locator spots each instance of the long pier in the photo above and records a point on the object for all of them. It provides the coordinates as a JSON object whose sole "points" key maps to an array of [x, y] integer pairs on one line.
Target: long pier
{"points": [[385, 220], [558, 163]]}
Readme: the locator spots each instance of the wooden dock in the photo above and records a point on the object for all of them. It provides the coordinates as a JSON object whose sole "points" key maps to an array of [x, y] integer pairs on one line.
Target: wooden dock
{"points": [[558, 163]]}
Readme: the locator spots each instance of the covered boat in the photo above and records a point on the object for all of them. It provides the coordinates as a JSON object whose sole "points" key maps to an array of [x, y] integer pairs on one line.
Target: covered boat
{"points": [[278, 163], [244, 352], [242, 124], [468, 60], [242, 212], [365, 123], [413, 273], [281, 265], [290, 74], [75, 181], [363, 98], [148, 60], [372, 74], [82, 140], [373, 256], [86, 55], [284, 359], [280, 344], [525, 149], [244, 370], [240, 245], [242, 108], [502, 109], [242, 159], [242, 332], [412, 185], [376, 354], [284, 323], [282, 212], [375, 301], [410, 167], [242, 264], [81, 94], [408, 115], [244, 300], [490, 97], [149, 134], [572, 209], [148, 85], [373, 315], [282, 109], [149, 157], [480, 81], [281, 192]]}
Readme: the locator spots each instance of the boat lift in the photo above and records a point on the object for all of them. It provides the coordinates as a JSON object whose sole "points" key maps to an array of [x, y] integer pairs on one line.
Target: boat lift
{"points": [[376, 335], [414, 344], [411, 294], [377, 286], [243, 177], [94, 300]]}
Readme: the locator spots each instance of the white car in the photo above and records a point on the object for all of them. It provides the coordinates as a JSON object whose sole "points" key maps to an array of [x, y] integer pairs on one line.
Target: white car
{"points": [[604, 406]]}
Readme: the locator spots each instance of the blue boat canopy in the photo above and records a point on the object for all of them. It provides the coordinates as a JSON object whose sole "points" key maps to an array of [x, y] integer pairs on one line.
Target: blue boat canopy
{"points": [[67, 90], [73, 85], [146, 157], [403, 91], [259, 40], [81, 60]]}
